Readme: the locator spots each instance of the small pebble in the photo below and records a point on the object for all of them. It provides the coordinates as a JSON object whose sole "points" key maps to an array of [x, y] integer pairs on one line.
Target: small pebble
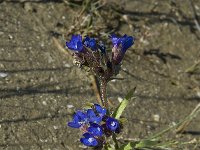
{"points": [[44, 103], [3, 75], [120, 99], [55, 127], [156, 117], [10, 37], [42, 44], [67, 65], [70, 106]]}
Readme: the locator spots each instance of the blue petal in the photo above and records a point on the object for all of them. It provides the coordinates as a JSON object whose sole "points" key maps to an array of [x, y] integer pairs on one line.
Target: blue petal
{"points": [[90, 43], [86, 41], [127, 42], [115, 39], [89, 140], [79, 119], [92, 116], [100, 110], [81, 115], [112, 124], [75, 43], [95, 129], [75, 123]]}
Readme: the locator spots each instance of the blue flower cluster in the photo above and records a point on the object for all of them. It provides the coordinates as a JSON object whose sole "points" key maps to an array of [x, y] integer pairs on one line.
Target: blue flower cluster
{"points": [[95, 125], [120, 45], [77, 44]]}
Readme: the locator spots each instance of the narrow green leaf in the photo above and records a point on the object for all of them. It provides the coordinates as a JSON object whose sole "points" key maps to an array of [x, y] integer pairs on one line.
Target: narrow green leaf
{"points": [[147, 144], [127, 146], [119, 110], [130, 94]]}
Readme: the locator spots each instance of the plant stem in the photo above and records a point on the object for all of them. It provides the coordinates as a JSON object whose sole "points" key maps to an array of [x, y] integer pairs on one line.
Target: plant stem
{"points": [[115, 141], [192, 115], [103, 91]]}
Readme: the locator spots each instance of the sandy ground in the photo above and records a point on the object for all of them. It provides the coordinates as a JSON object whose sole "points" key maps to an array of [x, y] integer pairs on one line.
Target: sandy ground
{"points": [[40, 88]]}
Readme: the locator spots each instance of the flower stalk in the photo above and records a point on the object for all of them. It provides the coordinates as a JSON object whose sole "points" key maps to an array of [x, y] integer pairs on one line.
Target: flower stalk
{"points": [[103, 93]]}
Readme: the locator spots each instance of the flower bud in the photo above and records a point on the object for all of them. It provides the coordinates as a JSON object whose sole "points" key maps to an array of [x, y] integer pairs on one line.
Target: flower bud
{"points": [[120, 45]]}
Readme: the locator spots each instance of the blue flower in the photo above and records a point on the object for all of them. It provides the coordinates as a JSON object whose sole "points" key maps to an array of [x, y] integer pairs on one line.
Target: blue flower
{"points": [[112, 124], [79, 119], [89, 140], [95, 125], [95, 129], [92, 117], [120, 45], [125, 42], [90, 43], [115, 40], [101, 111], [75, 43]]}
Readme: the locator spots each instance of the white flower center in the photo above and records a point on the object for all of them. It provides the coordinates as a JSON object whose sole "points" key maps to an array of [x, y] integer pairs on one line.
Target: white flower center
{"points": [[113, 124], [90, 140]]}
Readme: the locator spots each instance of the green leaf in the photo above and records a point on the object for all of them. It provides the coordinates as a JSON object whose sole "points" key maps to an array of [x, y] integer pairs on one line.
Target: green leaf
{"points": [[147, 143], [128, 146], [109, 147], [119, 110]]}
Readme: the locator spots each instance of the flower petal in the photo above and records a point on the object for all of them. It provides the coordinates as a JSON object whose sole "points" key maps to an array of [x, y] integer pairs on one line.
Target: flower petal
{"points": [[112, 124], [120, 45], [90, 43], [100, 110], [93, 117], [89, 140], [127, 42], [75, 43], [95, 129], [115, 39], [75, 122], [79, 119]]}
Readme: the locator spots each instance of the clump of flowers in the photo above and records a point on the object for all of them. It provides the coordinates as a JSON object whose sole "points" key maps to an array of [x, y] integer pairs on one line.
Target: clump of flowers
{"points": [[88, 52], [95, 125]]}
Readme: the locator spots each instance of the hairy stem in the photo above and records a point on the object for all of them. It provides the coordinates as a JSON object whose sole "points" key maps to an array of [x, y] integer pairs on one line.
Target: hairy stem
{"points": [[103, 91]]}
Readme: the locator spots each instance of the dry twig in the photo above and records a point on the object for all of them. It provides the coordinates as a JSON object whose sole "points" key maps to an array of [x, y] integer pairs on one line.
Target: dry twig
{"points": [[185, 124]]}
